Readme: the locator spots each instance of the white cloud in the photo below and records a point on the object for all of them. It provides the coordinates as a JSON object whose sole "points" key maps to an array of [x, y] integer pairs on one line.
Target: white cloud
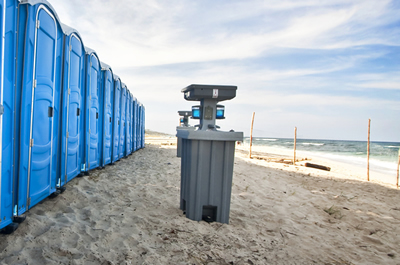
{"points": [[213, 41]]}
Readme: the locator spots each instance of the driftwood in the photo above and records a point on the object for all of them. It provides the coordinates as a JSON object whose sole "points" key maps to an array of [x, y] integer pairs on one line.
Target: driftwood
{"points": [[317, 166]]}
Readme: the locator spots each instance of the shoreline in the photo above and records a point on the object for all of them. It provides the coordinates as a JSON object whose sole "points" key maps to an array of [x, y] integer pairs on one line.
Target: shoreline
{"points": [[351, 170]]}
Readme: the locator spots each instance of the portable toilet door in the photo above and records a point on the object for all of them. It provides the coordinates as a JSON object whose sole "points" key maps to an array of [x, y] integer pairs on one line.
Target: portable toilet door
{"points": [[132, 125], [143, 125], [122, 145], [108, 94], [139, 126], [117, 118], [7, 81], [134, 130], [132, 121], [72, 127], [93, 120], [128, 123], [40, 43]]}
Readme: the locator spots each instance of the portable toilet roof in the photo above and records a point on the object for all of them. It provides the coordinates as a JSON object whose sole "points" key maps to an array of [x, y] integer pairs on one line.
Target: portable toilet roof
{"points": [[68, 31], [123, 85], [105, 67], [90, 51], [35, 2]]}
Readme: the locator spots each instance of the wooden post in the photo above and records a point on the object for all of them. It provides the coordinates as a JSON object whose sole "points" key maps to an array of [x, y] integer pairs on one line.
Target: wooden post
{"points": [[398, 165], [295, 137], [251, 133], [369, 127]]}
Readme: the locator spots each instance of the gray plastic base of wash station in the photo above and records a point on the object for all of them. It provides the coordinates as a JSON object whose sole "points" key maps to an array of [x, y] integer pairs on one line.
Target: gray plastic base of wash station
{"points": [[206, 174], [179, 140]]}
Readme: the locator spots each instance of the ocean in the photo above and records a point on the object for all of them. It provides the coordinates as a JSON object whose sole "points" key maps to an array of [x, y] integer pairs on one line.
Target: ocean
{"points": [[383, 155]]}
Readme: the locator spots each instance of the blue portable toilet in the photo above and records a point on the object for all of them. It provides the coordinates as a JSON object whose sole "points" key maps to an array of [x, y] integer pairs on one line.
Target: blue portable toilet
{"points": [[8, 26], [143, 125], [134, 127], [73, 99], [38, 94], [117, 119], [93, 112], [137, 125], [108, 102], [132, 121], [122, 146], [128, 122], [139, 136]]}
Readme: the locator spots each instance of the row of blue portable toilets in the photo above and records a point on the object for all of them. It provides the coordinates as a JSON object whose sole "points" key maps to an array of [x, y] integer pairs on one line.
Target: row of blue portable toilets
{"points": [[63, 112]]}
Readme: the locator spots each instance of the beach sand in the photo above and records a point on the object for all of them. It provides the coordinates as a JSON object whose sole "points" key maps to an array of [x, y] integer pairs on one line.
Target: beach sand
{"points": [[128, 213]]}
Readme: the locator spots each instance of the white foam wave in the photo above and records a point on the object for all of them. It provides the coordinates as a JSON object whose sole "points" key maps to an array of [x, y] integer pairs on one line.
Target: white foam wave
{"points": [[316, 144]]}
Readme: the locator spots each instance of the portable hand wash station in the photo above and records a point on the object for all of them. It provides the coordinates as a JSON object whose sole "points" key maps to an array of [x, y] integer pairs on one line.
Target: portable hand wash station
{"points": [[183, 125], [207, 156]]}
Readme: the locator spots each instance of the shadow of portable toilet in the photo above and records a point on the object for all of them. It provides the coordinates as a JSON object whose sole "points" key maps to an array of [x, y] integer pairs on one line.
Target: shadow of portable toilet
{"points": [[207, 156]]}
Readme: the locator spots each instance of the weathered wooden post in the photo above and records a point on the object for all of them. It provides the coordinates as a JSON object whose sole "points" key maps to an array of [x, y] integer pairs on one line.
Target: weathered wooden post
{"points": [[369, 127], [398, 166], [251, 133], [295, 138]]}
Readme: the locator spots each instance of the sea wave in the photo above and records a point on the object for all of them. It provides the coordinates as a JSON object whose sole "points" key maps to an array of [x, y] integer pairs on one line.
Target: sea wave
{"points": [[272, 140], [392, 146], [316, 144]]}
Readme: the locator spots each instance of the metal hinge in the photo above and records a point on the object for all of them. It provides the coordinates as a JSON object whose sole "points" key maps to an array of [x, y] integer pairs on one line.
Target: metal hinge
{"points": [[90, 97], [1, 109], [28, 202], [31, 143], [69, 91], [37, 23], [90, 64], [70, 47], [67, 134], [89, 132], [34, 83]]}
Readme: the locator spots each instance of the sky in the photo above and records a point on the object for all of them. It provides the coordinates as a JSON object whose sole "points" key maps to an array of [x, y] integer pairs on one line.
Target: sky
{"points": [[323, 66]]}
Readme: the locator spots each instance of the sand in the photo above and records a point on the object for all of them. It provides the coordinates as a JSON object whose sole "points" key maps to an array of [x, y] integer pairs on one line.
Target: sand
{"points": [[128, 213]]}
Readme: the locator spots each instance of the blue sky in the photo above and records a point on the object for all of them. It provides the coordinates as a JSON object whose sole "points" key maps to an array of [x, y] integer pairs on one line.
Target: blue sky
{"points": [[325, 67]]}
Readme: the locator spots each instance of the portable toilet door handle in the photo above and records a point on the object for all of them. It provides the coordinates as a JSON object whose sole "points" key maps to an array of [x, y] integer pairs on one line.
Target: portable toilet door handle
{"points": [[50, 112]]}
